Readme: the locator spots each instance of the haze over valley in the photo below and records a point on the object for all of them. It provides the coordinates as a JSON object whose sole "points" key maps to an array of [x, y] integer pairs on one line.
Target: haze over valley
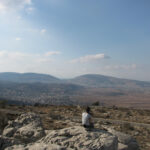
{"points": [[31, 88]]}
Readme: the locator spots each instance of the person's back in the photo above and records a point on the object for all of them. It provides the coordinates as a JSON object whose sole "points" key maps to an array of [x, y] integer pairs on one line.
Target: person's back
{"points": [[86, 119]]}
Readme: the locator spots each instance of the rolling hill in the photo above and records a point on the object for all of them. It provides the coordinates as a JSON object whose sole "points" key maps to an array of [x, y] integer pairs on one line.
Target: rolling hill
{"points": [[88, 80], [28, 77], [30, 88], [95, 80]]}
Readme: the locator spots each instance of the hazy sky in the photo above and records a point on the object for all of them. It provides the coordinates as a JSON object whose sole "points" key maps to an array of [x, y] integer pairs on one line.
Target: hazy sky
{"points": [[66, 38]]}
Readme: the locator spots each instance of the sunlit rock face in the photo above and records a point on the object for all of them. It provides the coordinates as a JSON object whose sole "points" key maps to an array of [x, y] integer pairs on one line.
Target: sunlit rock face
{"points": [[26, 128], [27, 133], [79, 138]]}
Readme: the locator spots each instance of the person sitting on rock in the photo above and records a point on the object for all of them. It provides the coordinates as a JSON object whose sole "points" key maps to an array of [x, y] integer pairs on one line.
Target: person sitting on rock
{"points": [[87, 118]]}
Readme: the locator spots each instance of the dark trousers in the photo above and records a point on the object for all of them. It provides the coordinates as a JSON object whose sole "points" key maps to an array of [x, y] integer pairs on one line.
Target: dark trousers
{"points": [[88, 126]]}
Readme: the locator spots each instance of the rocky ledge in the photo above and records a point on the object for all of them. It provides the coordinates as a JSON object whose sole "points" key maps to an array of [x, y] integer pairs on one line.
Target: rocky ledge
{"points": [[27, 133]]}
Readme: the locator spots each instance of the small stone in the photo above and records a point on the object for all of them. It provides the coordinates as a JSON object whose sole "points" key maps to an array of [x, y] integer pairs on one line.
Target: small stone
{"points": [[122, 146], [9, 132]]}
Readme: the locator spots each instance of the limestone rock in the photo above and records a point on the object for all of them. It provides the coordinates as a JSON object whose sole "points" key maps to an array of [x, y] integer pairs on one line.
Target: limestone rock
{"points": [[122, 146], [125, 139], [73, 138], [79, 138], [7, 141], [26, 133], [27, 128], [9, 132], [37, 146]]}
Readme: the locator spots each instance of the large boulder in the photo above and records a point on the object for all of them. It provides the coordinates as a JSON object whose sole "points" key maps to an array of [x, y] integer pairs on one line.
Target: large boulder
{"points": [[78, 138], [26, 128], [73, 138], [126, 142]]}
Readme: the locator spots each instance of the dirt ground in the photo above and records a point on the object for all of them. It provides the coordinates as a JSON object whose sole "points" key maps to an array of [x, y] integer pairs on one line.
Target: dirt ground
{"points": [[131, 121]]}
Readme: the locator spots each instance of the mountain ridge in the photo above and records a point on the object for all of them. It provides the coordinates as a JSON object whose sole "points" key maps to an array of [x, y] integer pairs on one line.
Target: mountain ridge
{"points": [[84, 89], [8, 76], [27, 77], [96, 80]]}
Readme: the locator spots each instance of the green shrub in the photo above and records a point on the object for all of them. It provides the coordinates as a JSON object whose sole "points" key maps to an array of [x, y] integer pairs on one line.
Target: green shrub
{"points": [[3, 120], [3, 103], [95, 103], [127, 126]]}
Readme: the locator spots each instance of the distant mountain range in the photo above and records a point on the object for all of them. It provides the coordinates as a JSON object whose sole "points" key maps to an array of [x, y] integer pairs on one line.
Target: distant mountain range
{"points": [[31, 88], [95, 80], [28, 77], [88, 80]]}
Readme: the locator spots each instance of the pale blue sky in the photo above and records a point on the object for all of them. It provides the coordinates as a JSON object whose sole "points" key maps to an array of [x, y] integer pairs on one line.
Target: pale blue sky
{"points": [[67, 38]]}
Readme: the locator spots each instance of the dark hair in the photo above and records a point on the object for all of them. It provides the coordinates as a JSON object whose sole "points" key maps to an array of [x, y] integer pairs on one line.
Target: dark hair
{"points": [[88, 109]]}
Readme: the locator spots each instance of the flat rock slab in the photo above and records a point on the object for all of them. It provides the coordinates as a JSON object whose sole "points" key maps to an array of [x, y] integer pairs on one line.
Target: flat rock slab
{"points": [[79, 138], [73, 138], [37, 146]]}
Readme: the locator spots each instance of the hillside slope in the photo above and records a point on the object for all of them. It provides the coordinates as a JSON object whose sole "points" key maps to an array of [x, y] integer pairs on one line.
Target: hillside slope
{"points": [[34, 88], [28, 77], [94, 80], [87, 80]]}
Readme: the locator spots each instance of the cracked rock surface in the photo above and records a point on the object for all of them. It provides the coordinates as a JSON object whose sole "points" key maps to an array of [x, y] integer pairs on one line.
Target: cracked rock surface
{"points": [[27, 133]]}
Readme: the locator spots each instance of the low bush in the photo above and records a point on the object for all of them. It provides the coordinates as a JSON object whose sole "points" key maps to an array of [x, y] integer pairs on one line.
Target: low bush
{"points": [[95, 103], [3, 121]]}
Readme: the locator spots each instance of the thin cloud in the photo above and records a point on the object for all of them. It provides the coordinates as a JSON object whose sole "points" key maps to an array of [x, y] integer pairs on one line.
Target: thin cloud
{"points": [[30, 10], [52, 53], [18, 39], [18, 17], [27, 62], [36, 30], [119, 67], [9, 5], [12, 55], [2, 7], [43, 31], [17, 56], [89, 58]]}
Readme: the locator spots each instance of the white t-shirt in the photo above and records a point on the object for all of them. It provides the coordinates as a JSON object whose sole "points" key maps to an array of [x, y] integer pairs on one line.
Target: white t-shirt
{"points": [[85, 118]]}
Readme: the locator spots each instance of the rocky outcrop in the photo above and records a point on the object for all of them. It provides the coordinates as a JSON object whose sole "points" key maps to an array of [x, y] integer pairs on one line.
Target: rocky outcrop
{"points": [[26, 133], [37, 146], [125, 141], [79, 138], [26, 128]]}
